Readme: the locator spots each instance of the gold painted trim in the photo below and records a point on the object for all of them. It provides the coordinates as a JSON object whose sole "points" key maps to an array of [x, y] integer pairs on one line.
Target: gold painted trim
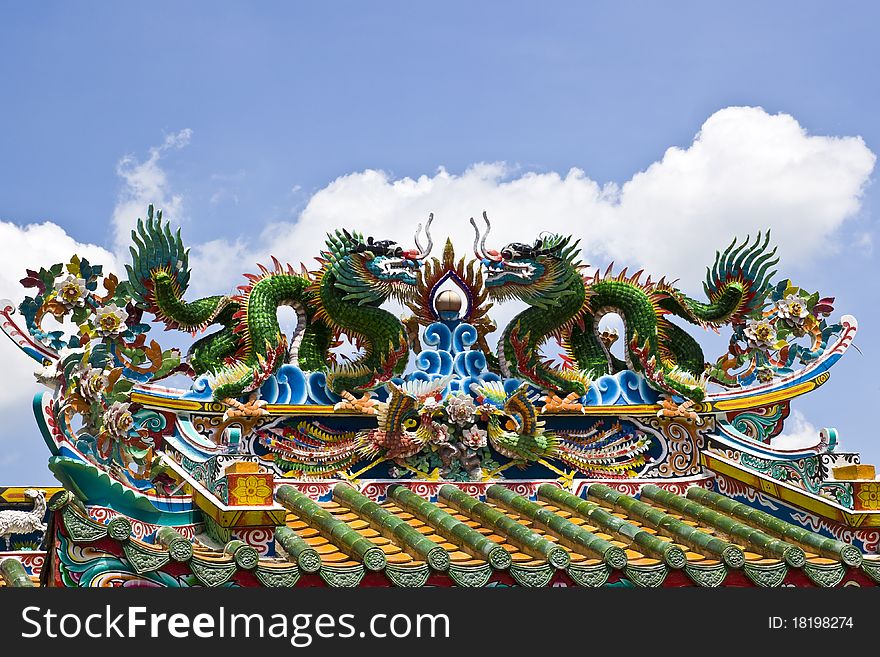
{"points": [[633, 409], [769, 397], [225, 515], [164, 402], [15, 494], [787, 493], [238, 517]]}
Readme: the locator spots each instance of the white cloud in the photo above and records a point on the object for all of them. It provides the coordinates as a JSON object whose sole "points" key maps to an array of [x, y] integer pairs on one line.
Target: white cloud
{"points": [[144, 183], [799, 433], [30, 247], [746, 170]]}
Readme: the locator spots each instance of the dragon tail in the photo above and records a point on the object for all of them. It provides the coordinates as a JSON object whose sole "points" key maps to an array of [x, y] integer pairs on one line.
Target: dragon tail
{"points": [[233, 378], [738, 281], [158, 249], [159, 277]]}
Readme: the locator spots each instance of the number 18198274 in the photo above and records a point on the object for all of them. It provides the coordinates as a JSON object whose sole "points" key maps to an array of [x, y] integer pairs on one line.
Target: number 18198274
{"points": [[810, 623]]}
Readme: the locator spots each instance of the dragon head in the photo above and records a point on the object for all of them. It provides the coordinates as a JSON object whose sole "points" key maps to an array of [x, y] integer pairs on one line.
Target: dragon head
{"points": [[370, 270], [525, 271]]}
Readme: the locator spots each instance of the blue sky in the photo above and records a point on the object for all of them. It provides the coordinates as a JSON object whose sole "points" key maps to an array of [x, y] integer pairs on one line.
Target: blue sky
{"points": [[279, 100]]}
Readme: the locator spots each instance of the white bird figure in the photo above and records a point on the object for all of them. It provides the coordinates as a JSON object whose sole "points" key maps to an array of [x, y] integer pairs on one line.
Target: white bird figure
{"points": [[24, 522]]}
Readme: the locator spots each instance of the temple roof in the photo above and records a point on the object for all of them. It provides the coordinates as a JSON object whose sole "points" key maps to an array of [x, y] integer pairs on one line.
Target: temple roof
{"points": [[703, 538]]}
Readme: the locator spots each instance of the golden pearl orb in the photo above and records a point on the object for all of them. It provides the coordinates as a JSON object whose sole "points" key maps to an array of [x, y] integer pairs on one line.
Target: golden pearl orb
{"points": [[448, 303]]}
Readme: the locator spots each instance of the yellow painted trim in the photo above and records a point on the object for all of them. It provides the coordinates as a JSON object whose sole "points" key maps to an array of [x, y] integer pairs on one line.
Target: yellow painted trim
{"points": [[310, 409], [856, 519], [164, 402], [223, 515], [238, 517], [794, 496], [634, 409], [15, 494], [769, 397], [217, 408]]}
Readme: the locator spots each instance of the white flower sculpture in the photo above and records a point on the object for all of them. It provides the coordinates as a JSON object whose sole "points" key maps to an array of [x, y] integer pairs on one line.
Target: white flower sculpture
{"points": [[118, 420], [92, 382], [760, 334], [440, 435], [71, 291], [110, 320], [792, 309], [460, 409], [474, 437]]}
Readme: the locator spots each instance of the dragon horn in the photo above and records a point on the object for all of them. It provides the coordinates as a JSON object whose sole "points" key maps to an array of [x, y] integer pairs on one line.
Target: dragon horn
{"points": [[486, 234], [477, 240], [428, 233], [424, 251], [417, 240]]}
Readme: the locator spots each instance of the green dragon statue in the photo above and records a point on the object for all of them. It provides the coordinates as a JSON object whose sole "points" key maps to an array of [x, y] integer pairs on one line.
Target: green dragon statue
{"points": [[566, 306], [343, 297]]}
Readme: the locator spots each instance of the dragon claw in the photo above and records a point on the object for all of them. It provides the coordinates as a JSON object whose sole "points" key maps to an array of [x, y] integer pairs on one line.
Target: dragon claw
{"points": [[363, 404], [254, 407], [553, 403], [670, 409], [566, 479]]}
